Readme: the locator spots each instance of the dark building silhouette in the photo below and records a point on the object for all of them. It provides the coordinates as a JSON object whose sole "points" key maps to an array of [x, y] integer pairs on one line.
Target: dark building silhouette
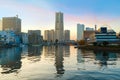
{"points": [[34, 37]]}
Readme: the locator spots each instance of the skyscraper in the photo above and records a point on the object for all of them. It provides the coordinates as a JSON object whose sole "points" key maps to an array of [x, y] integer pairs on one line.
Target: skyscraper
{"points": [[11, 23], [80, 31], [67, 35], [59, 26]]}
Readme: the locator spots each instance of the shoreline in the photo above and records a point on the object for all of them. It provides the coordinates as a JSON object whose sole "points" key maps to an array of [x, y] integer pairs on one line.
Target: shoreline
{"points": [[99, 48]]}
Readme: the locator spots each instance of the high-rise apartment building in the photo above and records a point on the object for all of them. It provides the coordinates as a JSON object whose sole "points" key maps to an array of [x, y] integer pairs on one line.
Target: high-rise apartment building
{"points": [[67, 35], [49, 35], [11, 23], [52, 35], [80, 31], [59, 26]]}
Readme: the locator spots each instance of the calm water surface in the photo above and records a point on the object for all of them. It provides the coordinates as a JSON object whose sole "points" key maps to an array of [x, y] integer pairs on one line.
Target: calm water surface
{"points": [[58, 63]]}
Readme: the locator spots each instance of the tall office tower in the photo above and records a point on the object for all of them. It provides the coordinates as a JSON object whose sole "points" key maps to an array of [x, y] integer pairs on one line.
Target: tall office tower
{"points": [[59, 26], [67, 35], [11, 23], [80, 31]]}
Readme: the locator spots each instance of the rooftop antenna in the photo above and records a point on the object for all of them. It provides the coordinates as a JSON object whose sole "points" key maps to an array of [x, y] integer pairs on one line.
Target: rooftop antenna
{"points": [[95, 27]]}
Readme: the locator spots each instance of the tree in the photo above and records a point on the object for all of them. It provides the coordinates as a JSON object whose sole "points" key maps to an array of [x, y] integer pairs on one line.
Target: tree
{"points": [[95, 43], [81, 42]]}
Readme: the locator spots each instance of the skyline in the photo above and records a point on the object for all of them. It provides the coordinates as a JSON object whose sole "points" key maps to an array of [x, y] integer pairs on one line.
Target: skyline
{"points": [[40, 14]]}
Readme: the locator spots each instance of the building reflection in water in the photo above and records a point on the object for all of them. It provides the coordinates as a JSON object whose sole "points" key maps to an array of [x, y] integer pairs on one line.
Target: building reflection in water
{"points": [[80, 60], [10, 60], [49, 51], [105, 58], [34, 53], [59, 60], [66, 51], [24, 51]]}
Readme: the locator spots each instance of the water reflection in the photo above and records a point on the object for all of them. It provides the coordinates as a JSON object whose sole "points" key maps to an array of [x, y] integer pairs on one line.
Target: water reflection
{"points": [[96, 59], [64, 61], [57, 52], [80, 60], [34, 53], [105, 58], [66, 51], [59, 60], [10, 60], [49, 51]]}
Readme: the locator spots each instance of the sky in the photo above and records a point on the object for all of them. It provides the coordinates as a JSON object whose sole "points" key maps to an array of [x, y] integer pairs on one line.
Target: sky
{"points": [[40, 14]]}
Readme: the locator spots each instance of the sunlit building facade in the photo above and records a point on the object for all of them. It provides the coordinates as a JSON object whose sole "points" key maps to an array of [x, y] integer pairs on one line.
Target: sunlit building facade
{"points": [[52, 35], [47, 35], [59, 26], [80, 31], [89, 35], [11, 23]]}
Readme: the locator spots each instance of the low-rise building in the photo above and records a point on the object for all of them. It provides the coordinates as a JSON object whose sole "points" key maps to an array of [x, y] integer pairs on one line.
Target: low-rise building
{"points": [[89, 36], [9, 37], [34, 37], [106, 35], [24, 38]]}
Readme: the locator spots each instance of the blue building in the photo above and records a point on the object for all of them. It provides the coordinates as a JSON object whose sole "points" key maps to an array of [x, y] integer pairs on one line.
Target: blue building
{"points": [[9, 37], [106, 35]]}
